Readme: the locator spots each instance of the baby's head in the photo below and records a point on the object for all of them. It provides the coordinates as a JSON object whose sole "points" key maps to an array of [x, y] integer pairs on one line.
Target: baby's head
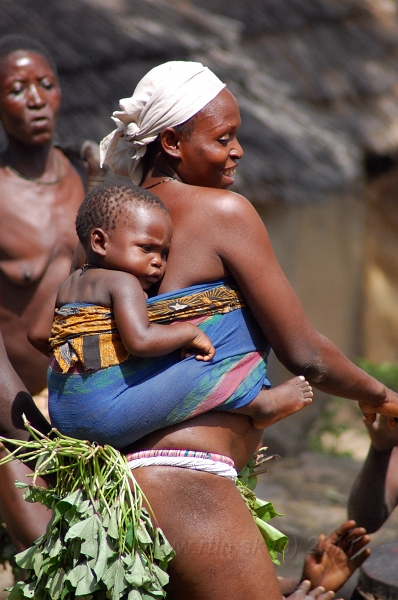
{"points": [[124, 227]]}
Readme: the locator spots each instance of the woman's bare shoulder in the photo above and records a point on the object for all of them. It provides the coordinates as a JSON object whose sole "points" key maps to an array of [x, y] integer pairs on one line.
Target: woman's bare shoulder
{"points": [[224, 202]]}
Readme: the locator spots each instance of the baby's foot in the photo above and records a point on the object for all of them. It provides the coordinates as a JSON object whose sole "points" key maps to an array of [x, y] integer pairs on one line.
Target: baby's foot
{"points": [[282, 401]]}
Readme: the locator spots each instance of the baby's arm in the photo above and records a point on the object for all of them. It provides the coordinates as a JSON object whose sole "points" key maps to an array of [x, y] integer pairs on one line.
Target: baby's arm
{"points": [[40, 330], [143, 339]]}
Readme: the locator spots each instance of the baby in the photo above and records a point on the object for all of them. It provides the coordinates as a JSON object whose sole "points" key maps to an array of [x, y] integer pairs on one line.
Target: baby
{"points": [[103, 375]]}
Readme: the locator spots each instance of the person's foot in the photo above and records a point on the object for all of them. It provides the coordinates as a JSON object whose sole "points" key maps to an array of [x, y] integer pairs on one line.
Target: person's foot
{"points": [[283, 400]]}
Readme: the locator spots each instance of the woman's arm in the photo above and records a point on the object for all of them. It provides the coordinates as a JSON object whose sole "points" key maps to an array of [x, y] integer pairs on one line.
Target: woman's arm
{"points": [[374, 494], [15, 401], [40, 330], [143, 339], [246, 250]]}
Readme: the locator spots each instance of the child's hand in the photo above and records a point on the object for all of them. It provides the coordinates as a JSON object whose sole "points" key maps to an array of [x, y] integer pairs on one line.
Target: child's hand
{"points": [[202, 343], [382, 436], [303, 593], [336, 556]]}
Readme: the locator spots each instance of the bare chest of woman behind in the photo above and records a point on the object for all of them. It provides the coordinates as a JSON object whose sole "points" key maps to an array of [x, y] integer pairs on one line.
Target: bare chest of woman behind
{"points": [[37, 226]]}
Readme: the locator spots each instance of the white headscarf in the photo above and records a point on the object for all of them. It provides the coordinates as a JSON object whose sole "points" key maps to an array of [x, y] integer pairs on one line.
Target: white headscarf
{"points": [[167, 96]]}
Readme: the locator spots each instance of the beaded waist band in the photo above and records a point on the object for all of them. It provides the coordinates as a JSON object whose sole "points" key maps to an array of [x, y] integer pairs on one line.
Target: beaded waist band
{"points": [[185, 453]]}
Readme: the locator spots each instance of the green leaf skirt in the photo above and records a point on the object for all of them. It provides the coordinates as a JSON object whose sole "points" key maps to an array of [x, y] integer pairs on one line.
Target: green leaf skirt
{"points": [[100, 543]]}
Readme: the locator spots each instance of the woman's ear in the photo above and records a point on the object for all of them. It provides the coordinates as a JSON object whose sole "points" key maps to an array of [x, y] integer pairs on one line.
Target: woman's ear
{"points": [[98, 241], [169, 140]]}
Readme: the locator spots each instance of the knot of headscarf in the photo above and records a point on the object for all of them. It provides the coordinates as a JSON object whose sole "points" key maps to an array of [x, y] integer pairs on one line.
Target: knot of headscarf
{"points": [[166, 96]]}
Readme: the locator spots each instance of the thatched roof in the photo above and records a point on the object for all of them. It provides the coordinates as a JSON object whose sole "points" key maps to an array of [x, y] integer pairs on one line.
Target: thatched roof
{"points": [[316, 79]]}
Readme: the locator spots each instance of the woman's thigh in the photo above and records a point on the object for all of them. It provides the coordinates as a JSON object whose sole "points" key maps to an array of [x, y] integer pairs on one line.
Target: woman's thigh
{"points": [[220, 553]]}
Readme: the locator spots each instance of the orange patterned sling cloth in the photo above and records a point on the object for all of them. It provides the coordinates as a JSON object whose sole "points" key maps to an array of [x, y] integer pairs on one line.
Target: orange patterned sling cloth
{"points": [[88, 334]]}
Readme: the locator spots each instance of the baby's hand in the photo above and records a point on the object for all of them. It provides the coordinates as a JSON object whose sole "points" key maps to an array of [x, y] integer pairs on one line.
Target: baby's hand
{"points": [[202, 343], [382, 436]]}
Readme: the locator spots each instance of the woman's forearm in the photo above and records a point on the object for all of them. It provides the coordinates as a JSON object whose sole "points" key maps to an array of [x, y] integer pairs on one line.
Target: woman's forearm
{"points": [[15, 401], [326, 368], [367, 503]]}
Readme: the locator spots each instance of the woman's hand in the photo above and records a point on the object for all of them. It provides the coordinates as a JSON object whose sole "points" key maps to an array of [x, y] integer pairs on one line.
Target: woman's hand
{"points": [[388, 408], [335, 557]]}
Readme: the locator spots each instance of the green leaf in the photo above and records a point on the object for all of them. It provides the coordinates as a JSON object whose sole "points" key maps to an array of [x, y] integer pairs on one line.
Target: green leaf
{"points": [[90, 548], [143, 535], [47, 565], [16, 592], [105, 519], [119, 584], [129, 536], [114, 579], [21, 486], [162, 549], [74, 550], [38, 560], [68, 591], [145, 516], [265, 510], [37, 494], [29, 590], [161, 576], [75, 499], [85, 530], [128, 560], [88, 584], [82, 580], [134, 595], [273, 538], [54, 547], [57, 584], [102, 557], [76, 574], [113, 530], [25, 559], [139, 573]]}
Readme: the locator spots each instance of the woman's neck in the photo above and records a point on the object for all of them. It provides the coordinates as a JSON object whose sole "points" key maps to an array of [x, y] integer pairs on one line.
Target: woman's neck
{"points": [[157, 167], [31, 162]]}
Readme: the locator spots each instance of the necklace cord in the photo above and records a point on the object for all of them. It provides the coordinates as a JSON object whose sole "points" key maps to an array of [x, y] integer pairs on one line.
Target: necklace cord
{"points": [[36, 179], [148, 187]]}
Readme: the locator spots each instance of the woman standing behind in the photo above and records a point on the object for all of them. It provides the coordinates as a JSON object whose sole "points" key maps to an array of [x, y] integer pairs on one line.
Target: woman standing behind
{"points": [[177, 135], [40, 192]]}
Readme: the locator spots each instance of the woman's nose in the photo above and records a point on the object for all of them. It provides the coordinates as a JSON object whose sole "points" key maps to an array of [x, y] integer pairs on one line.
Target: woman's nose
{"points": [[34, 96], [236, 151]]}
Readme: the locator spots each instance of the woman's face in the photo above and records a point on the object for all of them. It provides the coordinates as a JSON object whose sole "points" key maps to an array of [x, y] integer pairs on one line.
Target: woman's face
{"points": [[209, 156], [29, 97]]}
